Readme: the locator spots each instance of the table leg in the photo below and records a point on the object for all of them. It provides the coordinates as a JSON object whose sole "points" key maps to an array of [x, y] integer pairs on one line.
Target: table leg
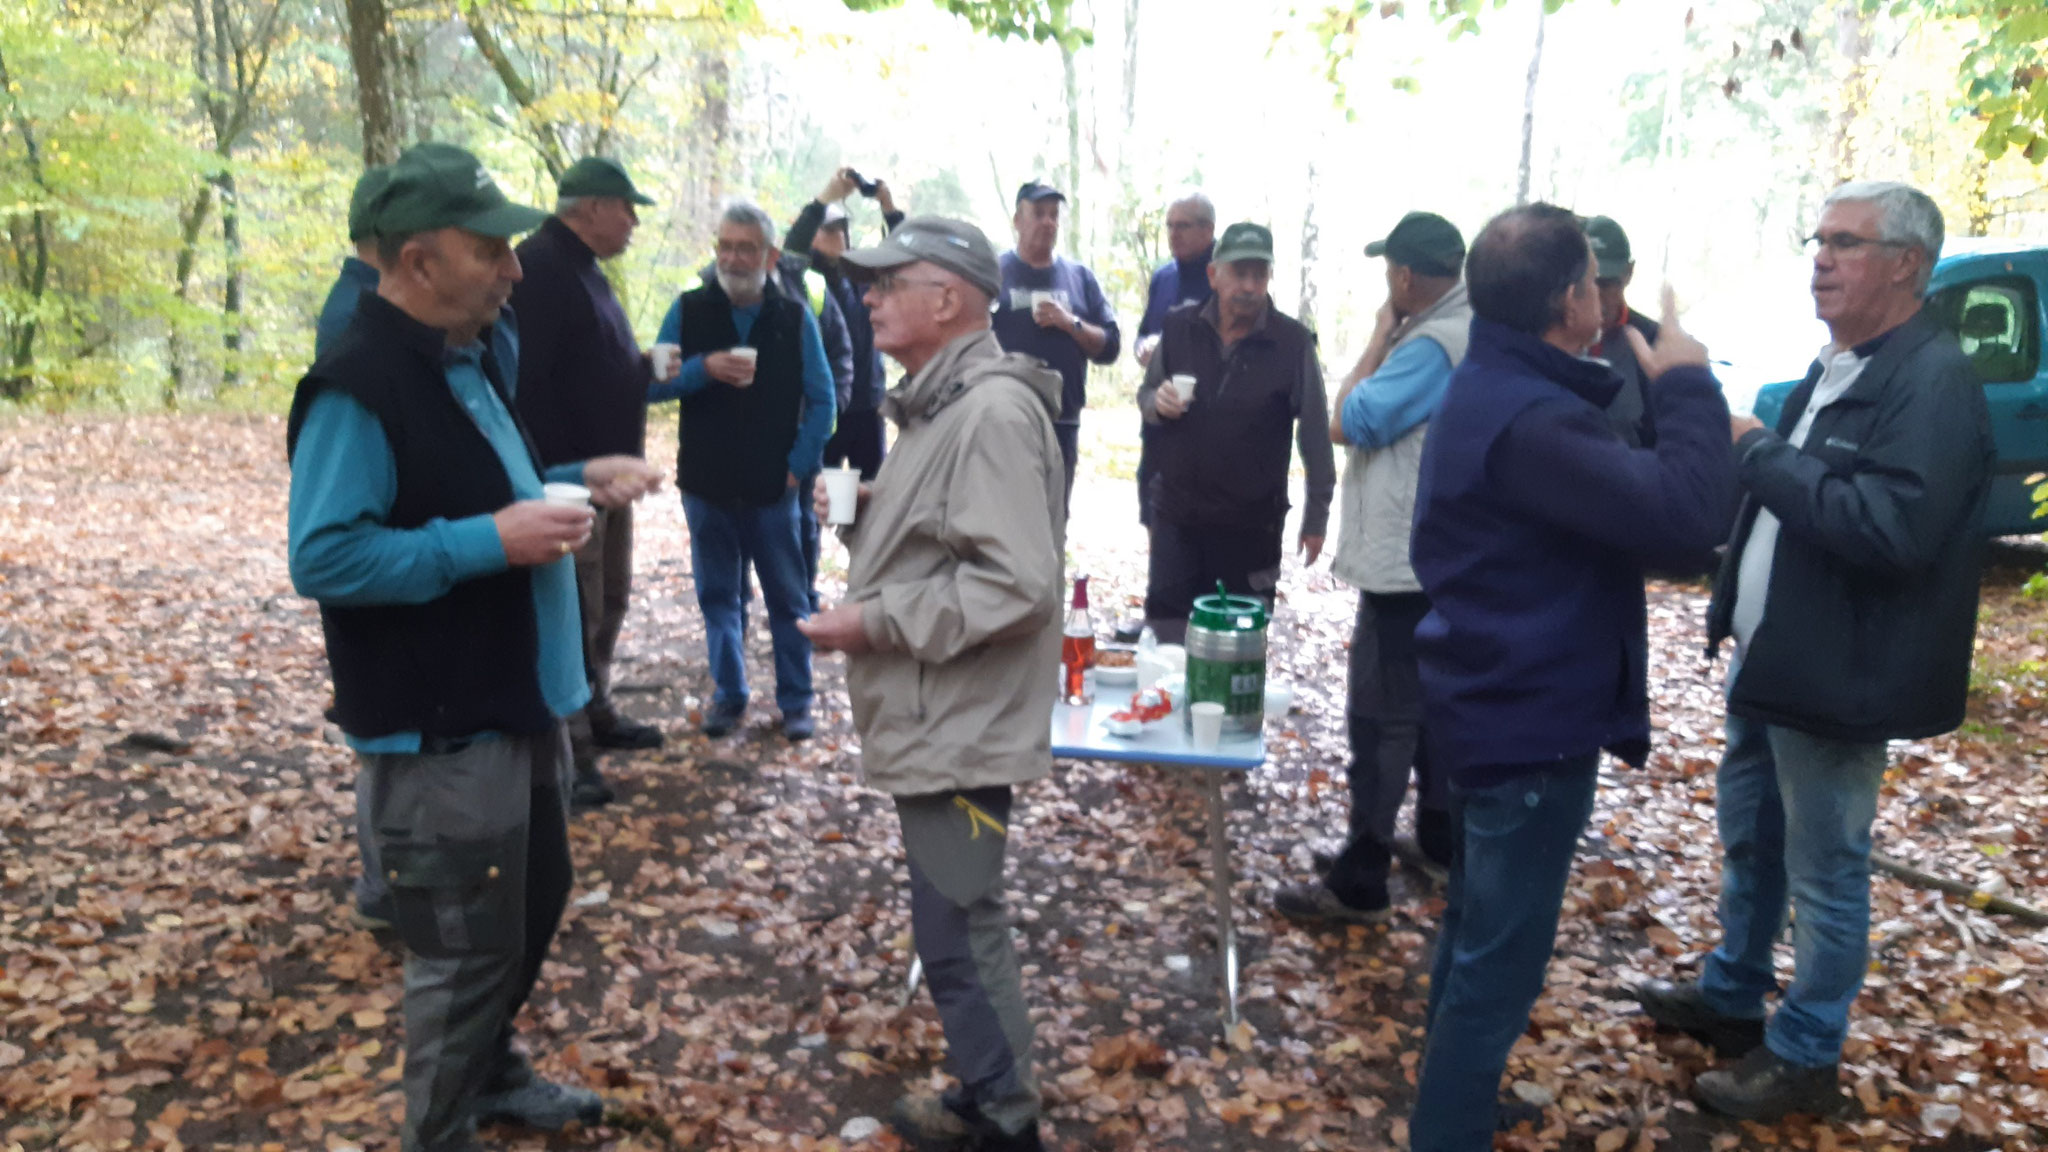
{"points": [[1219, 870]]}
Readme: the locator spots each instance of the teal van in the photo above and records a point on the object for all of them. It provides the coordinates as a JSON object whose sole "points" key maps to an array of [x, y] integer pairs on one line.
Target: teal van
{"points": [[1988, 292]]}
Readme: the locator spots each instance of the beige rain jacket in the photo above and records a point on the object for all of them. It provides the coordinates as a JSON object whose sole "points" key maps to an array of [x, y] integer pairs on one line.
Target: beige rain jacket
{"points": [[958, 564]]}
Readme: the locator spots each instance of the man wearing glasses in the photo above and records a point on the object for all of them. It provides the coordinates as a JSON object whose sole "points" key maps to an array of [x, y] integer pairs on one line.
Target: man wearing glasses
{"points": [[757, 405], [1182, 282], [952, 626], [1850, 588]]}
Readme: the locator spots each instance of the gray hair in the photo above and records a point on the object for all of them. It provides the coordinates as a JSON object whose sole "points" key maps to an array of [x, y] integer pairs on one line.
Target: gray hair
{"points": [[749, 214], [569, 205], [1905, 215], [1205, 209]]}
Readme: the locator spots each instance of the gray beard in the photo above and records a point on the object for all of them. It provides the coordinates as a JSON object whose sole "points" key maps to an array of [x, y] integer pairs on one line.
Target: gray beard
{"points": [[743, 290]]}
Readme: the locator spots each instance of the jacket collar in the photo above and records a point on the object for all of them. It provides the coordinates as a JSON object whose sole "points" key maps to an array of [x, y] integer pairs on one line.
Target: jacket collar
{"points": [[1886, 351], [1197, 268], [565, 238], [1449, 301], [920, 397], [1590, 380], [1212, 314]]}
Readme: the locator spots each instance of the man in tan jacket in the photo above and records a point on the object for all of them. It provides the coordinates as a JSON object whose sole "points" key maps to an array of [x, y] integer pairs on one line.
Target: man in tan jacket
{"points": [[952, 624]]}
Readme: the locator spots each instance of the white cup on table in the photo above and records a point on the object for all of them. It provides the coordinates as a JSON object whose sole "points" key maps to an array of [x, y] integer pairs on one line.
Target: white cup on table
{"points": [[1207, 720]]}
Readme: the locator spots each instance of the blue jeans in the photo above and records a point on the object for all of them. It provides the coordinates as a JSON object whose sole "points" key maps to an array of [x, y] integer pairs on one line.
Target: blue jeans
{"points": [[1508, 874], [1795, 813], [723, 536]]}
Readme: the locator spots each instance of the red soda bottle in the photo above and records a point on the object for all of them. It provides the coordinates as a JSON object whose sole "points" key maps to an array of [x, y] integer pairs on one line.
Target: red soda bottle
{"points": [[1077, 648]]}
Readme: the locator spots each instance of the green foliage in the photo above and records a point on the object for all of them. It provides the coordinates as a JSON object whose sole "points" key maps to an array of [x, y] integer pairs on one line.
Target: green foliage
{"points": [[2004, 72], [1040, 21]]}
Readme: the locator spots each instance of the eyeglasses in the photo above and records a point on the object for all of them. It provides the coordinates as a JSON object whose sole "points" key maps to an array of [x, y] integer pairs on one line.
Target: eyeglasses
{"points": [[1843, 243], [888, 283]]}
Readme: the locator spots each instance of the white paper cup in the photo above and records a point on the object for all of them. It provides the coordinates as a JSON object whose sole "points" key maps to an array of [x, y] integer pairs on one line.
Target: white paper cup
{"points": [[1038, 298], [1207, 719], [1279, 698], [1183, 388], [566, 495], [666, 360], [745, 352], [842, 494]]}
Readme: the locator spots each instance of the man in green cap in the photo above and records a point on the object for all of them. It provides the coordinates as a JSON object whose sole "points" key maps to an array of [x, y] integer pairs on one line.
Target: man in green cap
{"points": [[418, 522], [1230, 383], [583, 393], [1381, 416], [1614, 266]]}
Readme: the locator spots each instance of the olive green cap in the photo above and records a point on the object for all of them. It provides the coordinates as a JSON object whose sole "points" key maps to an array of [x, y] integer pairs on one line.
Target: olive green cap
{"points": [[1244, 241], [1424, 241], [1610, 248], [435, 186], [363, 200], [600, 176]]}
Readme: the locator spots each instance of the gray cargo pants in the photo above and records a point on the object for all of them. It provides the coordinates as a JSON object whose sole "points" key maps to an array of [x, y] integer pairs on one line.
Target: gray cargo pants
{"points": [[955, 843], [474, 845]]}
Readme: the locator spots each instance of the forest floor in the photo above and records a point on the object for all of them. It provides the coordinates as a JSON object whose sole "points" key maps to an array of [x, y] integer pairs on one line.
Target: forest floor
{"points": [[178, 969]]}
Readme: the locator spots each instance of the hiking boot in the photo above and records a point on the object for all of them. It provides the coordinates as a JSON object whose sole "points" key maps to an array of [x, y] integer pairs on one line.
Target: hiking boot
{"points": [[1315, 903], [1765, 1088], [626, 734], [798, 727], [373, 919], [1408, 850], [589, 790], [1683, 1008], [1322, 854], [720, 719], [929, 1123], [541, 1104]]}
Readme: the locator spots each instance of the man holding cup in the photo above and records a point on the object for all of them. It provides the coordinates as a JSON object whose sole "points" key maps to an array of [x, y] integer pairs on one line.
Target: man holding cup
{"points": [[952, 627], [757, 404], [418, 522], [1230, 384], [583, 392], [1052, 308]]}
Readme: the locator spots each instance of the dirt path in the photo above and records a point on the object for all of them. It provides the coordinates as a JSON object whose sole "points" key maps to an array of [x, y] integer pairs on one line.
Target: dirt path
{"points": [[177, 968]]}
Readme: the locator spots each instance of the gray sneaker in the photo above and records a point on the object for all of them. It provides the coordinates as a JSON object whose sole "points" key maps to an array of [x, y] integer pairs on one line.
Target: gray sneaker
{"points": [[1315, 903], [541, 1104]]}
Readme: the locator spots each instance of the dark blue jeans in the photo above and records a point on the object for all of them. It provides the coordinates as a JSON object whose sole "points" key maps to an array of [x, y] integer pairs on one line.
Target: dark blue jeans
{"points": [[723, 536], [1795, 813], [1508, 874]]}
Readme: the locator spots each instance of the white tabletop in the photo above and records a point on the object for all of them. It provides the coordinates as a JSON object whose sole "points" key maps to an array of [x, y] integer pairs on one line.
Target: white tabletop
{"points": [[1078, 733]]}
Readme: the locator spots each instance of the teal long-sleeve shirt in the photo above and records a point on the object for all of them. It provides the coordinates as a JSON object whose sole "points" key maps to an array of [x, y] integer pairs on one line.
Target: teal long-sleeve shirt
{"points": [[821, 401], [1398, 398], [344, 482]]}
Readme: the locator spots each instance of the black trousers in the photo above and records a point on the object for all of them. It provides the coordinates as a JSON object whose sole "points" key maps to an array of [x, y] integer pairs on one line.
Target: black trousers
{"points": [[1188, 560], [1384, 714]]}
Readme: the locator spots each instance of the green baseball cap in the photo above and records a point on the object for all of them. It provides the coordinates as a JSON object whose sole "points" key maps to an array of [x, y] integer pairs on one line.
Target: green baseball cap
{"points": [[363, 200], [435, 186], [600, 176], [1244, 241], [1425, 242], [955, 245], [1610, 248]]}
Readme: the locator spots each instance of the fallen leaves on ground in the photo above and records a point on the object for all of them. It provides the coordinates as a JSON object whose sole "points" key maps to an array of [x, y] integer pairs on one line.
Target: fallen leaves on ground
{"points": [[178, 969]]}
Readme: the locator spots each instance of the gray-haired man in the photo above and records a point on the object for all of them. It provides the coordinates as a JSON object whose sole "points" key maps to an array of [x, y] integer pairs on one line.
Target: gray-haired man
{"points": [[952, 625], [1850, 588]]}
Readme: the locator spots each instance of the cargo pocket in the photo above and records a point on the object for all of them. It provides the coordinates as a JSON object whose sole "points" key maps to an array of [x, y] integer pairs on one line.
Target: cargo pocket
{"points": [[457, 898]]}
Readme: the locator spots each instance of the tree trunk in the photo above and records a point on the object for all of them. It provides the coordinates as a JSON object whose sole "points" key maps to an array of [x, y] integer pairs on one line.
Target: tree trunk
{"points": [[544, 134], [1073, 188], [1529, 111], [231, 290], [1852, 40], [1311, 241], [1130, 73], [35, 276], [369, 49]]}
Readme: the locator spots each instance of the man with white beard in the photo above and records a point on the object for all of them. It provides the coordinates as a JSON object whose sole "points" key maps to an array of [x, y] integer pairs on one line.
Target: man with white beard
{"points": [[757, 406]]}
